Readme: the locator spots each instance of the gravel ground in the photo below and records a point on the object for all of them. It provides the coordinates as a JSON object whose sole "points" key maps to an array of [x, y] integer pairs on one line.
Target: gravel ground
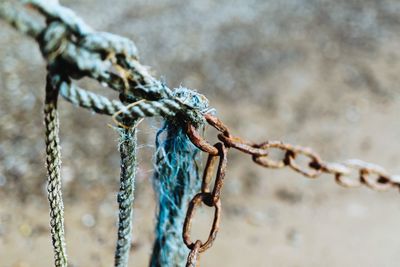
{"points": [[318, 73]]}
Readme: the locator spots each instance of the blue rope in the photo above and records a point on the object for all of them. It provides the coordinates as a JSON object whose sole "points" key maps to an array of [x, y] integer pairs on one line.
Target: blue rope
{"points": [[176, 179]]}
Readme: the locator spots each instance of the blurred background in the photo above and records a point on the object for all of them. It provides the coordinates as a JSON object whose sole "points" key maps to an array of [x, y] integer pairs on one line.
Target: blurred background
{"points": [[323, 74]]}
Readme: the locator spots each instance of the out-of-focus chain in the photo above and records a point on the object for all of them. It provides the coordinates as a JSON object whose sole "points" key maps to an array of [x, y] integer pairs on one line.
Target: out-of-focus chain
{"points": [[371, 175]]}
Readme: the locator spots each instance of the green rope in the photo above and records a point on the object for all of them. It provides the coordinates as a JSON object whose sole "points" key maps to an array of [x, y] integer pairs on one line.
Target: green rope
{"points": [[53, 162]]}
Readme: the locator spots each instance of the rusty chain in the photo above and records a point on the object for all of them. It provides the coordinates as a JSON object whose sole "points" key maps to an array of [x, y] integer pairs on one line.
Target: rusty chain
{"points": [[67, 41], [208, 197], [370, 175]]}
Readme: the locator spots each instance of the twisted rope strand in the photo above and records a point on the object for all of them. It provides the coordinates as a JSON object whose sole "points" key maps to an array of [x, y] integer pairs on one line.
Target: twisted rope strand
{"points": [[20, 20], [72, 49], [68, 42], [91, 101], [127, 148], [53, 163], [167, 108]]}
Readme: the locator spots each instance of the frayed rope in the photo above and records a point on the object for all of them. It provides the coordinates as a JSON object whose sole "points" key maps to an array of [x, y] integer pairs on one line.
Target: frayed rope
{"points": [[175, 181]]}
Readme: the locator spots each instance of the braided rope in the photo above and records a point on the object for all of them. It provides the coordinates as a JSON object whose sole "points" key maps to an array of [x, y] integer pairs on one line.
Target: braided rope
{"points": [[53, 163], [91, 101], [73, 50], [127, 148], [68, 44], [20, 20], [167, 108]]}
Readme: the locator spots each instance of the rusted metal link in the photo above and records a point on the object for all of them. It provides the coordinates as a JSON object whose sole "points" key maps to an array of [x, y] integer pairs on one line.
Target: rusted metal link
{"points": [[314, 165], [194, 255], [220, 176], [242, 145], [269, 163], [371, 175], [209, 197], [209, 170], [197, 201], [217, 124], [199, 141], [313, 169], [368, 174]]}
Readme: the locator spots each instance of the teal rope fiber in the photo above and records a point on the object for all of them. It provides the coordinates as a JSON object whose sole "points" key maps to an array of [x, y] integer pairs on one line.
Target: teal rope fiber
{"points": [[175, 181]]}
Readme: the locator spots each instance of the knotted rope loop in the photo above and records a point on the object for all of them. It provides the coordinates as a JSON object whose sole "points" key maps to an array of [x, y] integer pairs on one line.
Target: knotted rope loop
{"points": [[53, 41]]}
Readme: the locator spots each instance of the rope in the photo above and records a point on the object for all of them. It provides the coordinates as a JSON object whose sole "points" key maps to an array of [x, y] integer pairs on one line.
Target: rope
{"points": [[127, 148], [71, 46], [167, 108], [73, 51], [53, 163], [20, 20], [175, 180]]}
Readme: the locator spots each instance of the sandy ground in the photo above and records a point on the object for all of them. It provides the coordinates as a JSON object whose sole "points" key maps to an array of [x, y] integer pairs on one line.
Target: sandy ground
{"points": [[318, 73]]}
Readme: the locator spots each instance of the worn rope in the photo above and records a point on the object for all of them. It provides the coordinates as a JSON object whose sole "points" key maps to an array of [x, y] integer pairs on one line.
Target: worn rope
{"points": [[127, 148], [20, 20], [112, 60], [175, 180], [167, 108], [73, 50], [72, 47], [53, 163]]}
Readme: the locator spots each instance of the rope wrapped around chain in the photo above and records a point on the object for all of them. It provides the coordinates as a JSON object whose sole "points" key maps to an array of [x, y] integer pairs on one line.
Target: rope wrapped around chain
{"points": [[73, 51]]}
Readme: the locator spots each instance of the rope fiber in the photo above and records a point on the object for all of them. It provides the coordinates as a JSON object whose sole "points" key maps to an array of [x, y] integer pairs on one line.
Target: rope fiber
{"points": [[72, 51], [53, 164]]}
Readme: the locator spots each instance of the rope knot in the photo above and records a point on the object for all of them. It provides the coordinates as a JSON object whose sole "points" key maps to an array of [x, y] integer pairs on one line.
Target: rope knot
{"points": [[196, 103]]}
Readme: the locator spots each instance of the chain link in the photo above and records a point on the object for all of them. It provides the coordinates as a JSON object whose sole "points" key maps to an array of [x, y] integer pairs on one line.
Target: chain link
{"points": [[67, 41], [370, 175], [209, 197]]}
